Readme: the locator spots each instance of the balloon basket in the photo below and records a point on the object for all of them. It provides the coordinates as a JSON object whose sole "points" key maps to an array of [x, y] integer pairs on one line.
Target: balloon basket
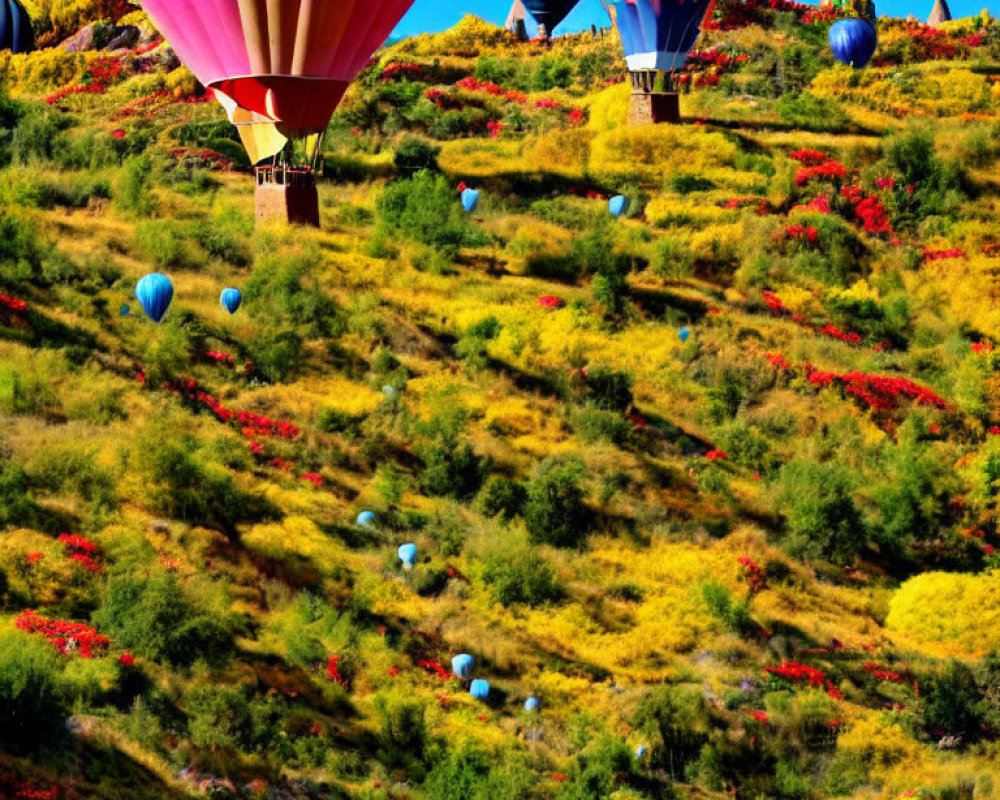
{"points": [[652, 108], [287, 195]]}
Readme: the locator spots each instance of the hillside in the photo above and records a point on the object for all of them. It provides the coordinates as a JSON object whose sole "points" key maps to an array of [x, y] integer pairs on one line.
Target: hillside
{"points": [[715, 482]]}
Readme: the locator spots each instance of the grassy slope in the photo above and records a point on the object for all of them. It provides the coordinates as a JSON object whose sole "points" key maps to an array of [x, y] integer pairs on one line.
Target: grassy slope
{"points": [[593, 653]]}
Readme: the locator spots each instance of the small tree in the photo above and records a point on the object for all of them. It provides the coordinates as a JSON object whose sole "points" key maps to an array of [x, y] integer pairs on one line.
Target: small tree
{"points": [[555, 512]]}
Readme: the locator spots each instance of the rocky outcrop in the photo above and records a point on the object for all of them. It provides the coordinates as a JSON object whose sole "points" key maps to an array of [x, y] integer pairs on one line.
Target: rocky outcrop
{"points": [[102, 36]]}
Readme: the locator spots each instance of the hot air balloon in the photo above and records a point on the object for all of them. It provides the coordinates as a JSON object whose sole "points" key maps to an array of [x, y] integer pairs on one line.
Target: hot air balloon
{"points": [[549, 13], [640, 751], [531, 704], [462, 665], [124, 311], [683, 334], [279, 68], [366, 519], [154, 293], [407, 554], [853, 42], [470, 199], [480, 689], [231, 300], [15, 28], [618, 205], [657, 36], [389, 391]]}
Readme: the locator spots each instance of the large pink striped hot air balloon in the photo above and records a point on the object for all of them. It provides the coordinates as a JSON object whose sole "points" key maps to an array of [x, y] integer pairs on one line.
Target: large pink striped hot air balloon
{"points": [[279, 67]]}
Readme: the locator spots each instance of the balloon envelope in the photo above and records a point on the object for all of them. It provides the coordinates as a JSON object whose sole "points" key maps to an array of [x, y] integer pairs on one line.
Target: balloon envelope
{"points": [[683, 334], [15, 28], [531, 704], [366, 518], [231, 300], [470, 199], [617, 205], [658, 34], [640, 751], [407, 553], [480, 689], [549, 13], [280, 65], [853, 42], [124, 310], [154, 293], [462, 665]]}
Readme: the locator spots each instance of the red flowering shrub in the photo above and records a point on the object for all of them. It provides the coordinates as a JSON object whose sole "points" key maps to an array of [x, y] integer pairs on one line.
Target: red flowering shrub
{"points": [[576, 116], [753, 574], [13, 304], [868, 209], [941, 255], [313, 478], [495, 128], [332, 671], [127, 660], [549, 301], [435, 668], [219, 358], [399, 70], [66, 637], [81, 550], [251, 425], [830, 170], [760, 716], [798, 673], [443, 100], [716, 455], [809, 158], [882, 674], [835, 333], [24, 793]]}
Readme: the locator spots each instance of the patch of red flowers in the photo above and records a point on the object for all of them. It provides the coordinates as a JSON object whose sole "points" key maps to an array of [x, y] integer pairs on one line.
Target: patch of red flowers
{"points": [[876, 671], [877, 391], [443, 100], [66, 637], [251, 425], [576, 116], [778, 361], [127, 660], [545, 102], [21, 792], [435, 668], [333, 673], [754, 574], [81, 550], [808, 233], [716, 455], [208, 159], [941, 255], [809, 158], [495, 128], [313, 478], [798, 673], [982, 347], [219, 357], [835, 333], [398, 70], [34, 556], [760, 716], [830, 171], [13, 304], [549, 301]]}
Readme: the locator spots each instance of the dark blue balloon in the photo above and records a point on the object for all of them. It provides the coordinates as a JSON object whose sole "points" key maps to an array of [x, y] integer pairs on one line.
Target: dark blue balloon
{"points": [[549, 13], [231, 300], [15, 28], [124, 310], [658, 34], [154, 293], [462, 665], [617, 205], [683, 334], [470, 199], [853, 42]]}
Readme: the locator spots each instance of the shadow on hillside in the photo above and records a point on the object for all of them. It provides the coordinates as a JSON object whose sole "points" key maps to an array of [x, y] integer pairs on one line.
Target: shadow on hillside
{"points": [[779, 126], [660, 302]]}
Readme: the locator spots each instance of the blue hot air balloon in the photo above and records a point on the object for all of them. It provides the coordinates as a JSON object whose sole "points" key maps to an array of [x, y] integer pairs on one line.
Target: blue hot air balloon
{"points": [[683, 334], [549, 13], [154, 293], [658, 34], [470, 199], [640, 751], [480, 689], [853, 42], [462, 664], [366, 519], [15, 28], [231, 300], [124, 311], [617, 205], [389, 391], [408, 555], [531, 704]]}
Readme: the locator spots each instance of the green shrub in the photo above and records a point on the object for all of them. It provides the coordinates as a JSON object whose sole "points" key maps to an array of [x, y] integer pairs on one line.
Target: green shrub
{"points": [[20, 249], [954, 704], [608, 389], [414, 155], [504, 497], [133, 193], [276, 354], [280, 290], [169, 245], [597, 425], [403, 737], [733, 614], [555, 512], [153, 617], [451, 468], [521, 576], [672, 259], [16, 505], [468, 772], [679, 721], [426, 208], [600, 771], [821, 517], [925, 184], [31, 712]]}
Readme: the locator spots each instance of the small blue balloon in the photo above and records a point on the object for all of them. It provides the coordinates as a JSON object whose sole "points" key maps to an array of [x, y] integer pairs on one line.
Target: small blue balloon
{"points": [[684, 334], [231, 300], [154, 293], [366, 519], [480, 689], [531, 704], [470, 199], [640, 751], [617, 205], [389, 391], [462, 665], [853, 42], [407, 554], [124, 311]]}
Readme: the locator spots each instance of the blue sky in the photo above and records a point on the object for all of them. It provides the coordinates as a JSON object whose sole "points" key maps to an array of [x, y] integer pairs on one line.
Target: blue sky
{"points": [[436, 15]]}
